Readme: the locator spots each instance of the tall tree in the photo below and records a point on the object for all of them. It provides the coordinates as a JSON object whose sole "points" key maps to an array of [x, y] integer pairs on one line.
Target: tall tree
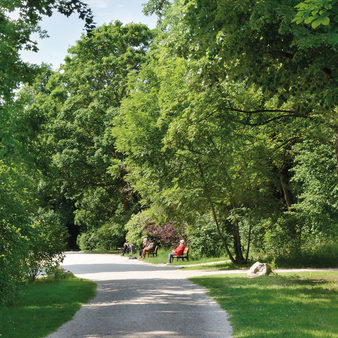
{"points": [[77, 107]]}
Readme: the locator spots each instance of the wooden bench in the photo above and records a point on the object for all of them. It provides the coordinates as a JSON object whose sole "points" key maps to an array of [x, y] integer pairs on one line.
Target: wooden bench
{"points": [[185, 255], [152, 252]]}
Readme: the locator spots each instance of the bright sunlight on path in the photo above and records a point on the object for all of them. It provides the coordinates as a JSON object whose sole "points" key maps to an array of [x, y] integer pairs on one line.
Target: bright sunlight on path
{"points": [[136, 299]]}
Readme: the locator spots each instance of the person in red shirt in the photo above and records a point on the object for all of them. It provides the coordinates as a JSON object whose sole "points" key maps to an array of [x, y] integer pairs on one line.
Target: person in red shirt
{"points": [[177, 252]]}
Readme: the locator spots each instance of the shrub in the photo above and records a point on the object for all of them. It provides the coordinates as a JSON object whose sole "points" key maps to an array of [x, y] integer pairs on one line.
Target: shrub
{"points": [[47, 241], [13, 251], [323, 256], [110, 235], [142, 225], [167, 235], [87, 240], [135, 228], [203, 238]]}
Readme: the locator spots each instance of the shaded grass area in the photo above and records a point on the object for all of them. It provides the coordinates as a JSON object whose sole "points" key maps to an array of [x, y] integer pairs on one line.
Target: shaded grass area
{"points": [[285, 305], [228, 265], [43, 306]]}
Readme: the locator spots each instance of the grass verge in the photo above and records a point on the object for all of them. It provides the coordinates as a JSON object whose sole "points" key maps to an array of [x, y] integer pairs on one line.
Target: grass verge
{"points": [[299, 305], [227, 265], [43, 306]]}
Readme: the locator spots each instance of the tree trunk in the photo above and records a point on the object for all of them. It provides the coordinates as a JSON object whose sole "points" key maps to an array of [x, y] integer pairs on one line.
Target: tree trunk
{"points": [[284, 179], [220, 233], [249, 241], [237, 244], [207, 194]]}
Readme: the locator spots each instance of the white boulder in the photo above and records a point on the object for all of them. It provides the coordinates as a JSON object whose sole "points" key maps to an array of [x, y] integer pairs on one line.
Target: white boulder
{"points": [[259, 269]]}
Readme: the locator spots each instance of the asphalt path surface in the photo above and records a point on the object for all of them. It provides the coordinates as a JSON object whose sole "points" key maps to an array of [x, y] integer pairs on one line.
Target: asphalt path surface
{"points": [[136, 299]]}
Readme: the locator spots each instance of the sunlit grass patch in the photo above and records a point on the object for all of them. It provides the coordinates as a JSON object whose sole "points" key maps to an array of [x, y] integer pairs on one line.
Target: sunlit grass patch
{"points": [[285, 305], [42, 307]]}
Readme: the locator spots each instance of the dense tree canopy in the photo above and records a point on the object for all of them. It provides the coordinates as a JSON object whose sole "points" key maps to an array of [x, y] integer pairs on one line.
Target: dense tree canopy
{"points": [[75, 107], [215, 119], [220, 126]]}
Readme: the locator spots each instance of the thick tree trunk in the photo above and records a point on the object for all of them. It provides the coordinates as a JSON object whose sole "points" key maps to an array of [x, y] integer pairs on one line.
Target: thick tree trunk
{"points": [[237, 244]]}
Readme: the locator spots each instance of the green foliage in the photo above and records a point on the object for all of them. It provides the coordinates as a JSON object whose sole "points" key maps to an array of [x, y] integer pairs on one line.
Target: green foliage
{"points": [[135, 227], [230, 111], [155, 7], [320, 254], [315, 12], [203, 129], [315, 172], [203, 238], [87, 240], [80, 103], [47, 242], [110, 235], [13, 251], [16, 35]]}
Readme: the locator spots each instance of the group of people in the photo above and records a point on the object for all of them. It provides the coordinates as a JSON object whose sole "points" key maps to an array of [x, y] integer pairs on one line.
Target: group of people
{"points": [[149, 245]]}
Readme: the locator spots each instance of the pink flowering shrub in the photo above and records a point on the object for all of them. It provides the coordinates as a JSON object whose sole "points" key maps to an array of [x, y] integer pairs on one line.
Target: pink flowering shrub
{"points": [[167, 235]]}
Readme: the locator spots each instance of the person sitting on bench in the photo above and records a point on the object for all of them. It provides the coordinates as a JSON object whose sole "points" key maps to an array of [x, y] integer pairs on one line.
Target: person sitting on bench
{"points": [[144, 245], [125, 249], [149, 247], [177, 252]]}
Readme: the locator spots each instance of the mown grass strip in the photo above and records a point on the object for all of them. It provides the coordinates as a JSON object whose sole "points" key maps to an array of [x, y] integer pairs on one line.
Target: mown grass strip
{"points": [[286, 305], [43, 306]]}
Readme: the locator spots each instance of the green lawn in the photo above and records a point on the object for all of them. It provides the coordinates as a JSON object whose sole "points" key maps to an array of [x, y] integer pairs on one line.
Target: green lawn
{"points": [[42, 307], [287, 305]]}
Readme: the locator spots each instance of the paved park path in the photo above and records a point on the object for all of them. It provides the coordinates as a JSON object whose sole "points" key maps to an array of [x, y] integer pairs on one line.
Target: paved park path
{"points": [[136, 299]]}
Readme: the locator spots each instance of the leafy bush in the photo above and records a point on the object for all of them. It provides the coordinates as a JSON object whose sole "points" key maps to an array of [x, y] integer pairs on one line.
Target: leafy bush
{"points": [[142, 225], [47, 241], [203, 238], [13, 251], [315, 173], [87, 240], [108, 236], [135, 228], [324, 255]]}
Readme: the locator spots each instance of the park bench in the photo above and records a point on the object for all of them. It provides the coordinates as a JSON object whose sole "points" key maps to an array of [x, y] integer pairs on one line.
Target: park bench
{"points": [[185, 255], [153, 252]]}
